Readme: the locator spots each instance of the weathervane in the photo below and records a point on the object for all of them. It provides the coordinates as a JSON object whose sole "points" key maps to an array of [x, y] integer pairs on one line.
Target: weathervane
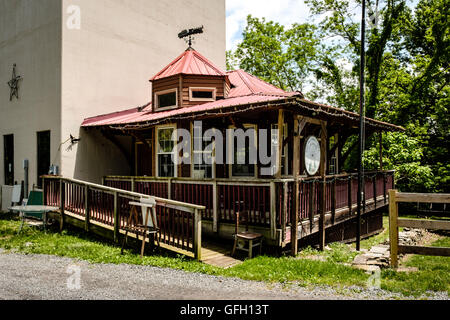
{"points": [[189, 33], [14, 84]]}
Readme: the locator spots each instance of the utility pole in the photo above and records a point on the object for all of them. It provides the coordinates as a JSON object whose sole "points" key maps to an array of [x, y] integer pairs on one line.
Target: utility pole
{"points": [[361, 125]]}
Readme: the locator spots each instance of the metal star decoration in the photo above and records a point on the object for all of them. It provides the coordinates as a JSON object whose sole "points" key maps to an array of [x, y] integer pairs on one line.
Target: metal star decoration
{"points": [[14, 84]]}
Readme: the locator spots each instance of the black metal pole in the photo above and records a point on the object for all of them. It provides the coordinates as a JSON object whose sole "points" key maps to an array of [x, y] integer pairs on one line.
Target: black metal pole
{"points": [[361, 125]]}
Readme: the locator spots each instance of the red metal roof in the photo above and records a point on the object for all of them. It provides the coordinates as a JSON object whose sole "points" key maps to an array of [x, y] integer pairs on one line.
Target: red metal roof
{"points": [[245, 84], [189, 62], [246, 89], [135, 116]]}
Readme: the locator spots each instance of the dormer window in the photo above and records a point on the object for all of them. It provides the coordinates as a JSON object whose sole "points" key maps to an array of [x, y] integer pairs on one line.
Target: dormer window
{"points": [[167, 99], [202, 94]]}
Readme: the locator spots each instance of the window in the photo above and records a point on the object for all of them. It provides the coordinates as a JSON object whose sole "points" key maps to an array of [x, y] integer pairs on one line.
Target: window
{"points": [[284, 158], [202, 94], [202, 162], [166, 99], [246, 149], [333, 164], [165, 146]]}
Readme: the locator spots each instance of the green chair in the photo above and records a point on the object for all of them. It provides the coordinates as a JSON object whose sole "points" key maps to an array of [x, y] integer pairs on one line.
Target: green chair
{"points": [[35, 198]]}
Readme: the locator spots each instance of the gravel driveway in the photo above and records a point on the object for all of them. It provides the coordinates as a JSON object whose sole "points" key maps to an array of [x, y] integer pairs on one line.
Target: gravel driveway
{"points": [[32, 277]]}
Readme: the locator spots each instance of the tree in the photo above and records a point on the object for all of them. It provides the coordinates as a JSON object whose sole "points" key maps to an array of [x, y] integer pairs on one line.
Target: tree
{"points": [[408, 76], [340, 22], [280, 56]]}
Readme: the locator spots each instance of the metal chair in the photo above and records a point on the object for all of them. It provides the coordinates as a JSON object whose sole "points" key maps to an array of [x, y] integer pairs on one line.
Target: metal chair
{"points": [[240, 238]]}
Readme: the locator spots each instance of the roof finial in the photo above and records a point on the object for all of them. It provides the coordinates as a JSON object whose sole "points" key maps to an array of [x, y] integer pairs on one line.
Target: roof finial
{"points": [[189, 33]]}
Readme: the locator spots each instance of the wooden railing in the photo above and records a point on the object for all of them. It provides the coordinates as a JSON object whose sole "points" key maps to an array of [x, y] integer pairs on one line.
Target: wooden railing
{"points": [[395, 222], [340, 195], [269, 201], [220, 197], [180, 222]]}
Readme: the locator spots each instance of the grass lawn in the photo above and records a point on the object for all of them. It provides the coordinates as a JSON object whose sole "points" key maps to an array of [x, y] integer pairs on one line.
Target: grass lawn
{"points": [[330, 269]]}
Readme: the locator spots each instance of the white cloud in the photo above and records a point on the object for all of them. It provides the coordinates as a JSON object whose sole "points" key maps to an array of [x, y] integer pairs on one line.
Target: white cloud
{"points": [[286, 12]]}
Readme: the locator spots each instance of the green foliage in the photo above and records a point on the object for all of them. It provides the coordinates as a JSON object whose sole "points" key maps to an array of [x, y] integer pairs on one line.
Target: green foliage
{"points": [[405, 155], [407, 77], [277, 55]]}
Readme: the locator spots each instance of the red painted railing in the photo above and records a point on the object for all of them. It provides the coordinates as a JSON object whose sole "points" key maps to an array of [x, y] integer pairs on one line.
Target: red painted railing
{"points": [[231, 196], [340, 193], [222, 198], [179, 222]]}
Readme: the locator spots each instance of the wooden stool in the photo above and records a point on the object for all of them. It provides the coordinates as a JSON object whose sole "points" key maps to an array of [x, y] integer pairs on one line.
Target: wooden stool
{"points": [[253, 239]]}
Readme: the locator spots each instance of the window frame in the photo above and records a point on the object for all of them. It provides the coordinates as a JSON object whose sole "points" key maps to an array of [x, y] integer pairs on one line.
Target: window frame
{"points": [[204, 89], [157, 146], [231, 140], [213, 155], [285, 150], [163, 92]]}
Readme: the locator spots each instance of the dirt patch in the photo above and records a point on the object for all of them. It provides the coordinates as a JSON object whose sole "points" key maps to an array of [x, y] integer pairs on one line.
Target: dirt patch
{"points": [[426, 239]]}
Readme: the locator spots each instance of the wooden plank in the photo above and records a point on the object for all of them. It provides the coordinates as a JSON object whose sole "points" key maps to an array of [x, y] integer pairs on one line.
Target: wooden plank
{"points": [[116, 217], [424, 224], [87, 208], [44, 193], [427, 251], [176, 207], [285, 209], [62, 200], [393, 228], [423, 197], [197, 235], [273, 210], [333, 200], [349, 195], [298, 128], [215, 208], [323, 167], [280, 143]]}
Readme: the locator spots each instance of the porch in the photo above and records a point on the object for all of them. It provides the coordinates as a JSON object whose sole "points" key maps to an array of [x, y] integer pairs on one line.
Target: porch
{"points": [[268, 201]]}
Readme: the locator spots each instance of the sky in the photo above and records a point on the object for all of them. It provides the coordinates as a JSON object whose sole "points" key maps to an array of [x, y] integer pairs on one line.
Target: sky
{"points": [[285, 12]]}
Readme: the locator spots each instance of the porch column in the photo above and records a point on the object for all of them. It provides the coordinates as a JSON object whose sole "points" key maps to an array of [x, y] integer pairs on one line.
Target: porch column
{"points": [[323, 166], [280, 143], [298, 128]]}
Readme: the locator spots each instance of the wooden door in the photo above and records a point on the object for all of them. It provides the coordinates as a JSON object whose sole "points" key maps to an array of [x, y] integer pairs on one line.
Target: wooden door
{"points": [[8, 146]]}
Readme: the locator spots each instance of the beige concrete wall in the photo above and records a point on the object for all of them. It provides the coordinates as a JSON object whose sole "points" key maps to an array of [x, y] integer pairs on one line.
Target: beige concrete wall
{"points": [[30, 36], [107, 63]]}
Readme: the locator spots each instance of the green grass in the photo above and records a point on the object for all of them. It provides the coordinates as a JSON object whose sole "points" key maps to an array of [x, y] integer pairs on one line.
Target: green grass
{"points": [[433, 274], [79, 245], [302, 271]]}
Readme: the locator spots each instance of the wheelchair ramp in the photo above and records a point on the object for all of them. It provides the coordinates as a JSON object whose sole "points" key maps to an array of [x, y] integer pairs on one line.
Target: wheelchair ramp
{"points": [[218, 255]]}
